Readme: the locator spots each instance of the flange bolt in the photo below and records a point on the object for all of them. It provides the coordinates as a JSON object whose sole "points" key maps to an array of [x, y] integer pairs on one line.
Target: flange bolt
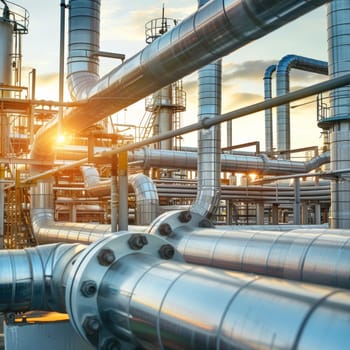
{"points": [[88, 288], [185, 216], [105, 257], [137, 241], [164, 229], [166, 251], [91, 325]]}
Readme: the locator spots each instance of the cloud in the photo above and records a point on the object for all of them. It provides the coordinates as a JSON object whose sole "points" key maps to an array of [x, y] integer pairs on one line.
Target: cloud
{"points": [[240, 99], [121, 20], [249, 70], [48, 78]]}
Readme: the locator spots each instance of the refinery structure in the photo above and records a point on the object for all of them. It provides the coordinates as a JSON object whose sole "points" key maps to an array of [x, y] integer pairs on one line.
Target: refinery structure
{"points": [[123, 237]]}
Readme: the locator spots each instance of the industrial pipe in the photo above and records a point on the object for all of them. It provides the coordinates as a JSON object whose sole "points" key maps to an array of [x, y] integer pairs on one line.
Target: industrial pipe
{"points": [[338, 15], [268, 112], [34, 278], [319, 258], [282, 87], [134, 291], [222, 27]]}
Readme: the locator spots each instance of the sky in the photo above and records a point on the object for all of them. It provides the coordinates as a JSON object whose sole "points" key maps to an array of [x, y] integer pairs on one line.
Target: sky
{"points": [[122, 31]]}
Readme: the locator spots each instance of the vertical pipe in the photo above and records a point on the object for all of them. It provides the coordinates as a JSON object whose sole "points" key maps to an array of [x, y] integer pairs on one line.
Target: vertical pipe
{"points": [[338, 15], [209, 145], [123, 191], [114, 194], [282, 87], [61, 67], [268, 112], [317, 214], [274, 214], [260, 213]]}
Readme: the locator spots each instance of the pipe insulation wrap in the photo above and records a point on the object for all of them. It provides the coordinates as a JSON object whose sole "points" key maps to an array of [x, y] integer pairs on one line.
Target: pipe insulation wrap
{"points": [[209, 141], [338, 21], [35, 278], [214, 31], [313, 257], [170, 305]]}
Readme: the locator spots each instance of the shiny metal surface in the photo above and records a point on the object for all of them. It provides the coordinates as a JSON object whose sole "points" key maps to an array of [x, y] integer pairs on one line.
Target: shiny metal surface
{"points": [[260, 164], [176, 306], [147, 201], [282, 87], [93, 265], [268, 112], [222, 27], [314, 257], [35, 278], [209, 141], [338, 15], [6, 32]]}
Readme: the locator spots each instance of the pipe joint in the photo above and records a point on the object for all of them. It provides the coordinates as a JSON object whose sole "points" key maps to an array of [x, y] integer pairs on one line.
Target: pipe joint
{"points": [[85, 288]]}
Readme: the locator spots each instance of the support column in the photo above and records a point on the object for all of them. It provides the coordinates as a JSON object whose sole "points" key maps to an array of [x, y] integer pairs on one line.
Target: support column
{"points": [[296, 207], [123, 192], [317, 214], [274, 214], [260, 213], [114, 194]]}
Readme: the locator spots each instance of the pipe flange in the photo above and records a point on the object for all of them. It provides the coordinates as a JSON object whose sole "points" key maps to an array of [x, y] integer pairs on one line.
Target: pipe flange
{"points": [[88, 272], [174, 223]]}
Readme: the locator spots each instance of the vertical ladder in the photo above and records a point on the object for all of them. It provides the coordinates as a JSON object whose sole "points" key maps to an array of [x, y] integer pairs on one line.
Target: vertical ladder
{"points": [[19, 231]]}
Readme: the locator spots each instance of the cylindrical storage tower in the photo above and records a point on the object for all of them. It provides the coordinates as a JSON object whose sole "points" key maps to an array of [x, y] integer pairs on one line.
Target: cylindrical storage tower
{"points": [[6, 31], [339, 64]]}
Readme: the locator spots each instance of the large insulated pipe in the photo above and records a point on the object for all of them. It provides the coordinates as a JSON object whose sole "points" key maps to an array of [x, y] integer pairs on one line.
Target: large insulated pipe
{"points": [[319, 258], [209, 140], [338, 15], [33, 278], [282, 87], [133, 289], [268, 112], [215, 30]]}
